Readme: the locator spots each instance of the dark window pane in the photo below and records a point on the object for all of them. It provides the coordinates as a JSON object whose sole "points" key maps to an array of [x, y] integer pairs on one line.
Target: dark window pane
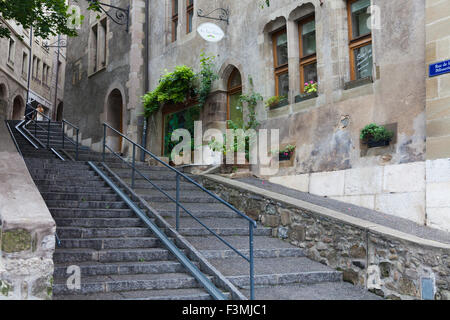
{"points": [[235, 81], [363, 62], [310, 72], [191, 16], [360, 18], [175, 7], [309, 38], [282, 49], [283, 84]]}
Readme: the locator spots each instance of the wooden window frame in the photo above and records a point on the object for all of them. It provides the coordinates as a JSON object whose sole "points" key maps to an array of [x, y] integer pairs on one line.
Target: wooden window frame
{"points": [[355, 43], [232, 90], [279, 70], [189, 10], [175, 21], [308, 59]]}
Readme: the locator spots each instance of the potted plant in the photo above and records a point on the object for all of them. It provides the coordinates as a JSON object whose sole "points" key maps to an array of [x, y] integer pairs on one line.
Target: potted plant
{"points": [[276, 101], [376, 136], [286, 153], [310, 91]]}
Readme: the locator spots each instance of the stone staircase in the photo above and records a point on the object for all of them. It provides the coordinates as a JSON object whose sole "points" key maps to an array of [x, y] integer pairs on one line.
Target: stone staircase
{"points": [[120, 258]]}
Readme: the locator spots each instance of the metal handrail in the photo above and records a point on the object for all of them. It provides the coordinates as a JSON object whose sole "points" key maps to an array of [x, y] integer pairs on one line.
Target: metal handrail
{"points": [[176, 200], [64, 122]]}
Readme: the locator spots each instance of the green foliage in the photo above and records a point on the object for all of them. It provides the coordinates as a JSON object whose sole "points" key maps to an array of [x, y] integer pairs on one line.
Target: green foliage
{"points": [[206, 77], [310, 87], [273, 101], [251, 100], [177, 86], [173, 87], [376, 133], [289, 149], [47, 17]]}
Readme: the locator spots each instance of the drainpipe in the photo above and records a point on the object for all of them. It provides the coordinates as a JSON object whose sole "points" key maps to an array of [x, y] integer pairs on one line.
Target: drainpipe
{"points": [[146, 72], [30, 61], [57, 79]]}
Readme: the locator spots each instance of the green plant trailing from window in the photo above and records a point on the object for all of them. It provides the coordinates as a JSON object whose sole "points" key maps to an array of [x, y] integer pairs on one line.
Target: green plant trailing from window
{"points": [[173, 87], [376, 133]]}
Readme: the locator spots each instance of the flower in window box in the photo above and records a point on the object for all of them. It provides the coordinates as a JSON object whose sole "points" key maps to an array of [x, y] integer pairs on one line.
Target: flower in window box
{"points": [[310, 87]]}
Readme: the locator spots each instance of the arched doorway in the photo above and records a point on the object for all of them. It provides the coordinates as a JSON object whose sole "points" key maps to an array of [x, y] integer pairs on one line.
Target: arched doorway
{"points": [[114, 117], [234, 92], [59, 112], [18, 108], [3, 102]]}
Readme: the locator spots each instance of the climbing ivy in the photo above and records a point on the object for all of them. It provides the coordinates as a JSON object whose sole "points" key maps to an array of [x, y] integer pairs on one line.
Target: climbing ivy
{"points": [[251, 100], [205, 77]]}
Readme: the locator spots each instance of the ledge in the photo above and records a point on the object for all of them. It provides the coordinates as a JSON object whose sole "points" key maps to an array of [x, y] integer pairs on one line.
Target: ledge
{"points": [[328, 213]]}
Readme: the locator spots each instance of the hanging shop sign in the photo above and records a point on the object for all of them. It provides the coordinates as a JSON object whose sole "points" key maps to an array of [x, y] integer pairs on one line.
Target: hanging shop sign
{"points": [[436, 69], [210, 32]]}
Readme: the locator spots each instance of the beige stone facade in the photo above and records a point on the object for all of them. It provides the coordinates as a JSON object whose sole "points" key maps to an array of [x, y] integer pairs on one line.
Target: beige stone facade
{"points": [[17, 54], [438, 88]]}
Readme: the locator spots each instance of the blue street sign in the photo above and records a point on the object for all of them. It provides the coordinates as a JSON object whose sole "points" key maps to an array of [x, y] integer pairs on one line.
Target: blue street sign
{"points": [[439, 68]]}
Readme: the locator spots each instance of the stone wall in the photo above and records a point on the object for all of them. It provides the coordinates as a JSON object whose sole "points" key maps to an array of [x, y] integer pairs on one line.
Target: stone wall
{"points": [[438, 88], [385, 261], [27, 230], [416, 191]]}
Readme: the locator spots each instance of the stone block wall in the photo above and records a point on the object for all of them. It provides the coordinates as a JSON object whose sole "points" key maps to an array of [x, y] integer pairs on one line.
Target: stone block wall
{"points": [[387, 262], [438, 88], [416, 191], [27, 230]]}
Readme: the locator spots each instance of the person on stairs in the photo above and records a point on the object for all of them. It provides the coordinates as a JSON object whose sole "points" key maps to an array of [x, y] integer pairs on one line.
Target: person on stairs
{"points": [[39, 116]]}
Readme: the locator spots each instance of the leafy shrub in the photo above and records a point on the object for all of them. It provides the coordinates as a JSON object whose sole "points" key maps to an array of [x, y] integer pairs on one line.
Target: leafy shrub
{"points": [[376, 133]]}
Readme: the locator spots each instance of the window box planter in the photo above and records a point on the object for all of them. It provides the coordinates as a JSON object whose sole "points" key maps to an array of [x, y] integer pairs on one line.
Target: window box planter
{"points": [[284, 156], [280, 104], [375, 144], [305, 96]]}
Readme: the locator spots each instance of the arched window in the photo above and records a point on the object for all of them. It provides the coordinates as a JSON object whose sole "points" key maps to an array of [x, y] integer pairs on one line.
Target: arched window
{"points": [[234, 108]]}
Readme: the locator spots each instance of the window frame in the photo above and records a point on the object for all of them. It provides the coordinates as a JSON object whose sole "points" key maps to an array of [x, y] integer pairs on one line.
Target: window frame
{"points": [[174, 21], [11, 51], [189, 10], [308, 59], [357, 42], [279, 70], [232, 90]]}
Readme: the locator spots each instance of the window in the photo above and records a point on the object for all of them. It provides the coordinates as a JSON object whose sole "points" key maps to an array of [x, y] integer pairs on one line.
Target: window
{"points": [[360, 36], [308, 57], [174, 19], [98, 46], [11, 51], [234, 108], [189, 15], [280, 52], [44, 73], [34, 67], [25, 65], [38, 67]]}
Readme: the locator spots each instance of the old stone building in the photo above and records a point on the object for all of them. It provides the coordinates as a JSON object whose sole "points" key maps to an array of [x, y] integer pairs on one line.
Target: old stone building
{"points": [[369, 58], [31, 63]]}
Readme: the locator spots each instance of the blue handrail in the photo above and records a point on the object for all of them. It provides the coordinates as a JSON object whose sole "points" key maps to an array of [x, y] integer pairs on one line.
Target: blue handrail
{"points": [[252, 223]]}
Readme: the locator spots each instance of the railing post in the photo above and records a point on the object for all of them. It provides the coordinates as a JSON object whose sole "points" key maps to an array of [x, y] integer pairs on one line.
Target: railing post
{"points": [[252, 266], [48, 134], [63, 127], [133, 167], [104, 142], [177, 218], [76, 147], [35, 128]]}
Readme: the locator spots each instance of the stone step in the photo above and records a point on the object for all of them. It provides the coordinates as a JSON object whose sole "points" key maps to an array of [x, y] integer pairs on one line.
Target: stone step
{"points": [[110, 243], [117, 283], [80, 196], [315, 291], [86, 204], [276, 271], [99, 222], [186, 197], [195, 294], [70, 189], [87, 233], [91, 213], [120, 268], [224, 231], [72, 182], [211, 222], [200, 209], [111, 255], [257, 253]]}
